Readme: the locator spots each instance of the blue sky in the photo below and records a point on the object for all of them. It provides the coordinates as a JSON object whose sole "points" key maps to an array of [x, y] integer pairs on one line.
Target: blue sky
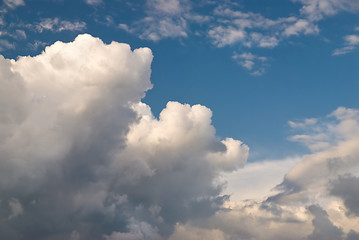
{"points": [[253, 99]]}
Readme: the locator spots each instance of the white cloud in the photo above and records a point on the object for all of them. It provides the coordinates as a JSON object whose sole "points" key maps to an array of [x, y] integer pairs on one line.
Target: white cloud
{"points": [[251, 62], [57, 25], [168, 7], [317, 9], [352, 39], [14, 3], [159, 28], [226, 36], [301, 26], [303, 124], [343, 50], [164, 19], [93, 2], [351, 42]]}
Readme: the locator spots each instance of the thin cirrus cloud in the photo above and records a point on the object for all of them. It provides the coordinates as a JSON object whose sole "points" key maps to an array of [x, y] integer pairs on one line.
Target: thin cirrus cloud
{"points": [[83, 158]]}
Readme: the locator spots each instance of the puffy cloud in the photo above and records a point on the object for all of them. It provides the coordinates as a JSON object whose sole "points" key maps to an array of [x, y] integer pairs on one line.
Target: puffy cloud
{"points": [[83, 158]]}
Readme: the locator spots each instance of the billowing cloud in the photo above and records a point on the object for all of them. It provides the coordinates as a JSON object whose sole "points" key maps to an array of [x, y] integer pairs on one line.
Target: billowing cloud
{"points": [[83, 158]]}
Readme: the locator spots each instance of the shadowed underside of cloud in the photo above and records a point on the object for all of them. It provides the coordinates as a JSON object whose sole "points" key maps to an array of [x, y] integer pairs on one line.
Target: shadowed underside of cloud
{"points": [[82, 158]]}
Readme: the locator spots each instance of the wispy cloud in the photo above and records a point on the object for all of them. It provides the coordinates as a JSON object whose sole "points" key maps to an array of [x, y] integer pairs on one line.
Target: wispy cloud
{"points": [[351, 43], [14, 3], [255, 64], [58, 25]]}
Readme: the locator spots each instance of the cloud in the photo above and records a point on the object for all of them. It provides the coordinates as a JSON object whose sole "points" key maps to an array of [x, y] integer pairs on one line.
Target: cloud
{"points": [[164, 19], [253, 29], [194, 233], [93, 2], [15, 207], [351, 42], [5, 44], [347, 188], [318, 9], [323, 227], [14, 3], [83, 158], [301, 26], [334, 142], [316, 198], [251, 62], [57, 25], [257, 179]]}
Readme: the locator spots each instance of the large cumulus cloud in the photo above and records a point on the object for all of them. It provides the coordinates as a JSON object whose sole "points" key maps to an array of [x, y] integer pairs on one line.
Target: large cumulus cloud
{"points": [[82, 158]]}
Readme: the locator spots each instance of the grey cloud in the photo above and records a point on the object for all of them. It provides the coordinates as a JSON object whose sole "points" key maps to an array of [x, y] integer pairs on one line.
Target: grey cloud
{"points": [[347, 188], [323, 227]]}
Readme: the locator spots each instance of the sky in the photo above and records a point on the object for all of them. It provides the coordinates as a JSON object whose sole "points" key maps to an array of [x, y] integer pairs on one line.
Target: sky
{"points": [[179, 119]]}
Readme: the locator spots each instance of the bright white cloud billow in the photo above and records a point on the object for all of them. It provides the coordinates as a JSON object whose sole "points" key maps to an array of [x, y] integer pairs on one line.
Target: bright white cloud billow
{"points": [[81, 152]]}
